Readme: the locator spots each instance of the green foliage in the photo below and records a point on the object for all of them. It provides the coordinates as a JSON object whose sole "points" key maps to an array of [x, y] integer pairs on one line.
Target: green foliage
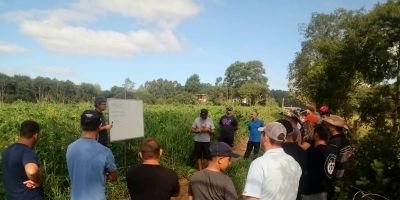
{"points": [[238, 173], [193, 84], [253, 91], [238, 73], [375, 166]]}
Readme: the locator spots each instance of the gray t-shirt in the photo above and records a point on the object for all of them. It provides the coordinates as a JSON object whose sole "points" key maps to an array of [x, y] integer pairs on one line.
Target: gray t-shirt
{"points": [[210, 185], [199, 123]]}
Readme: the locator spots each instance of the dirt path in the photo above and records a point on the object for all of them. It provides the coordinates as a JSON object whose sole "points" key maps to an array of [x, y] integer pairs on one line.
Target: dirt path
{"points": [[239, 147]]}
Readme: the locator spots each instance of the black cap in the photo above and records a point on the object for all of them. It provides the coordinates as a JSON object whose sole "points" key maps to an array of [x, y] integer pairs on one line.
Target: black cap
{"points": [[286, 124], [229, 108], [90, 118], [203, 111], [222, 149]]}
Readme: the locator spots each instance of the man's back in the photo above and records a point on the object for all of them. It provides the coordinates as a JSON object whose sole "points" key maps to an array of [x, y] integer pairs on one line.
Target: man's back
{"points": [[153, 182], [14, 159], [275, 175], [88, 161], [210, 185], [300, 156]]}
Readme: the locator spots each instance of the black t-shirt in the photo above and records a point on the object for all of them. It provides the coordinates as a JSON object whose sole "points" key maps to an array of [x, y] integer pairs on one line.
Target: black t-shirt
{"points": [[228, 124], [153, 182], [103, 134], [300, 156], [320, 167], [13, 165], [343, 152]]}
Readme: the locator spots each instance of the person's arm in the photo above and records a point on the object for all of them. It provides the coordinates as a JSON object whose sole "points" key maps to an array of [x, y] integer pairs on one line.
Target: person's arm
{"points": [[250, 198], [112, 176], [235, 124], [195, 129], [106, 127], [33, 173]]}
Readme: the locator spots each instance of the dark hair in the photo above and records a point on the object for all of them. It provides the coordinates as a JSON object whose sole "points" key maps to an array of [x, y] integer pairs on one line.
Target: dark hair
{"points": [[150, 148], [90, 120], [99, 100], [322, 131], [29, 128]]}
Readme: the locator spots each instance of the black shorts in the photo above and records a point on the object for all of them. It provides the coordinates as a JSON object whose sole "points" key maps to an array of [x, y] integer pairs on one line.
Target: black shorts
{"points": [[227, 139], [201, 150]]}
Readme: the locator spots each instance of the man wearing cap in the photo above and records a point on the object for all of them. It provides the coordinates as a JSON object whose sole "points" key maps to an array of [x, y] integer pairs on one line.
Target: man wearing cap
{"points": [[291, 148], [20, 165], [150, 180], [338, 140], [228, 124], [211, 183], [203, 128], [275, 175], [100, 104], [90, 164], [255, 135]]}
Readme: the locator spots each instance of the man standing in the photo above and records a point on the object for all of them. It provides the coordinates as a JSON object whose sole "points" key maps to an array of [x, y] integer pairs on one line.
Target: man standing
{"points": [[149, 180], [228, 124], [255, 135], [203, 127], [21, 174], [211, 183], [293, 149], [275, 175], [343, 150], [100, 104], [320, 166], [90, 164]]}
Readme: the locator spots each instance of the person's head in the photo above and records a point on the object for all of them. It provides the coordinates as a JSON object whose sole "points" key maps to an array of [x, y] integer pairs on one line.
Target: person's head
{"points": [[203, 114], [254, 115], [221, 155], [150, 149], [321, 132], [90, 121], [100, 103], [288, 127], [273, 135], [30, 130], [229, 110], [335, 124]]}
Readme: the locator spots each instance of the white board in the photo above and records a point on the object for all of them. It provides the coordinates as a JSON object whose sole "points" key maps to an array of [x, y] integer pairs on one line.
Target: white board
{"points": [[127, 119]]}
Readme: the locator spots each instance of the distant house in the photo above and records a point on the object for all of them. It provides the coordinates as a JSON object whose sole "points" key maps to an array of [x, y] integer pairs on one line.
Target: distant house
{"points": [[202, 98]]}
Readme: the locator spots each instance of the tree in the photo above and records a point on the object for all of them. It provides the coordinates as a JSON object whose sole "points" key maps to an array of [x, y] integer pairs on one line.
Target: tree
{"points": [[238, 73], [253, 91], [162, 88], [128, 85], [193, 84]]}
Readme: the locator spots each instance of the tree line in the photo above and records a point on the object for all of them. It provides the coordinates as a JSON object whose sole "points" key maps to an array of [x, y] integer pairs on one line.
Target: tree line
{"points": [[243, 83]]}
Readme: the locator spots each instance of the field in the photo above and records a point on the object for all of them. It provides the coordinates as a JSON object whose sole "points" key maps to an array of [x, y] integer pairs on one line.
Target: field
{"points": [[170, 124]]}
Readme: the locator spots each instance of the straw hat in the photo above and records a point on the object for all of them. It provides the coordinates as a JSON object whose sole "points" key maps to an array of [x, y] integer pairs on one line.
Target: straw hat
{"points": [[336, 121]]}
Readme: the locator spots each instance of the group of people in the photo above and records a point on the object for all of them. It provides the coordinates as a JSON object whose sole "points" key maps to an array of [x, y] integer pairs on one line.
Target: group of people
{"points": [[297, 163]]}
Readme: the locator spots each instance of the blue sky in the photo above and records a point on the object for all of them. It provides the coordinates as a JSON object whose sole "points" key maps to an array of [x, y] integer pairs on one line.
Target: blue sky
{"points": [[105, 41]]}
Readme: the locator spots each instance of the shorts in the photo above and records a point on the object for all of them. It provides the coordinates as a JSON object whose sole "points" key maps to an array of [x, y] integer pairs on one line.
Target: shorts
{"points": [[228, 140], [202, 150]]}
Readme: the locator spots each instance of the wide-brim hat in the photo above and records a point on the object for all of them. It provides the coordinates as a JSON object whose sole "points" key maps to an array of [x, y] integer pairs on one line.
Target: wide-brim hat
{"points": [[336, 121]]}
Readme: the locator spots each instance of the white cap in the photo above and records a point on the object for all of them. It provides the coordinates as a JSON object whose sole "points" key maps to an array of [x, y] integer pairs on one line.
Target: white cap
{"points": [[274, 130]]}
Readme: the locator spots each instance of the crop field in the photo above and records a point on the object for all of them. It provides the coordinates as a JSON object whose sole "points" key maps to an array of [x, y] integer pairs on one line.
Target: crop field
{"points": [[170, 124]]}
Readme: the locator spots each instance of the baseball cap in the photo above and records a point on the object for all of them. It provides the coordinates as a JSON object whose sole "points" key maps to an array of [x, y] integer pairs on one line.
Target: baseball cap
{"points": [[229, 108], [287, 125], [203, 111], [90, 118], [275, 130], [222, 149]]}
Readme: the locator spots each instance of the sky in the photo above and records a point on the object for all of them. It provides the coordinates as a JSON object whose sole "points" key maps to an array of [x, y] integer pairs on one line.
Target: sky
{"points": [[106, 41]]}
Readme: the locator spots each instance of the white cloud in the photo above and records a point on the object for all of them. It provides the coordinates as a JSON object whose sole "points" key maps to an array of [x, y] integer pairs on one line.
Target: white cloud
{"points": [[54, 29], [11, 48], [79, 40]]}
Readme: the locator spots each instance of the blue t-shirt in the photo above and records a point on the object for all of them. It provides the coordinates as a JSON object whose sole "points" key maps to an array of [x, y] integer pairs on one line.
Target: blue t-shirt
{"points": [[253, 125], [15, 157], [88, 162]]}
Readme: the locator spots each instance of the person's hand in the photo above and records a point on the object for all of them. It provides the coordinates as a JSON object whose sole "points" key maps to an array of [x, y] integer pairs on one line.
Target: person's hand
{"points": [[30, 184], [108, 127], [205, 130]]}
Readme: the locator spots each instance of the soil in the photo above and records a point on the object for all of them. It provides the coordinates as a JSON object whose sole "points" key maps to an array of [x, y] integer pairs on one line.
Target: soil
{"points": [[239, 148]]}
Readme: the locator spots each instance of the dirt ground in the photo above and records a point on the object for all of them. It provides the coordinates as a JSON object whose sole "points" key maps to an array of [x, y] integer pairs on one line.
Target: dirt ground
{"points": [[239, 147]]}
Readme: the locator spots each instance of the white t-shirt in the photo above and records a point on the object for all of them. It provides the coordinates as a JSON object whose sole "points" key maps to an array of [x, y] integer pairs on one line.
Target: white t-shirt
{"points": [[273, 176], [199, 123]]}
